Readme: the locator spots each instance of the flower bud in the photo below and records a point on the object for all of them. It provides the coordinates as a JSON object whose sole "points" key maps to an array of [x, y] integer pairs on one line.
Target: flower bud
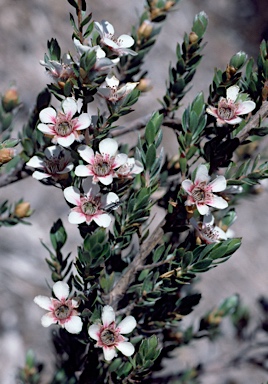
{"points": [[22, 210], [6, 154], [145, 29], [10, 100], [193, 37], [144, 85]]}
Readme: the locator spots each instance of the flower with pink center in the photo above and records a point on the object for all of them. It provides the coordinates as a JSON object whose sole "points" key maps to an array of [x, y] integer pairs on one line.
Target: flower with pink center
{"points": [[207, 231], [102, 166], [230, 108], [120, 45], [200, 192], [113, 92], [109, 335], [56, 163], [130, 168], [59, 71], [62, 310], [62, 126], [90, 206]]}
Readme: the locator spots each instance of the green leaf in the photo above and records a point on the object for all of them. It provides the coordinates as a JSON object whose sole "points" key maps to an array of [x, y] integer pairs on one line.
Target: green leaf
{"points": [[150, 133], [150, 156], [58, 235]]}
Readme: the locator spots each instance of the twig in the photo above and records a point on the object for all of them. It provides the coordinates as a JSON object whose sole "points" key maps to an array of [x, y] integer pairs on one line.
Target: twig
{"points": [[79, 20], [254, 122], [155, 265], [128, 276]]}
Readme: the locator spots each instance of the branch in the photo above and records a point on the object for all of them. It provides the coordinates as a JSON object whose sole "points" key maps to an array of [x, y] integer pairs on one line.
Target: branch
{"points": [[253, 122], [129, 275]]}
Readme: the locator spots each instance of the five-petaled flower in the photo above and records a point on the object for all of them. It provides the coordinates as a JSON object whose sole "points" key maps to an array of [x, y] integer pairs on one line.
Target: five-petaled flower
{"points": [[113, 92], [207, 231], [230, 108], [109, 335], [62, 126], [101, 165], [200, 192], [120, 46], [62, 310], [56, 163], [92, 206], [130, 168]]}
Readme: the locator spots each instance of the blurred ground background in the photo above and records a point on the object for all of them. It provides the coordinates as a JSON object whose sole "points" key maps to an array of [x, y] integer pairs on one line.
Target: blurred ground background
{"points": [[25, 27]]}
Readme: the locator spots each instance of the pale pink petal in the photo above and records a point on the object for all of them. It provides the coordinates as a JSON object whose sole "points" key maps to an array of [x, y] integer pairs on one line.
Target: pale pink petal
{"points": [[108, 315], [40, 175], [74, 325], [138, 168], [203, 209], [187, 185], [112, 81], [66, 141], [103, 220], [108, 146], [54, 150], [43, 302], [48, 115], [212, 111], [106, 180], [218, 202], [48, 319], [218, 184], [120, 159], [201, 174], [111, 198], [233, 121], [109, 353], [83, 121], [107, 27], [94, 331], [125, 41], [69, 106], [110, 43], [61, 290], [72, 194], [76, 217], [245, 107], [36, 162], [221, 233], [232, 92], [86, 153], [82, 171], [127, 325], [45, 129], [126, 348]]}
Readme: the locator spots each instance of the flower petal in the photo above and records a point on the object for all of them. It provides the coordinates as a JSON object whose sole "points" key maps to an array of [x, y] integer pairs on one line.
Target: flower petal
{"points": [[45, 129], [126, 348], [53, 151], [86, 153], [43, 302], [232, 92], [61, 290], [187, 185], [89, 188], [40, 175], [48, 115], [108, 315], [120, 159], [212, 111], [245, 107], [74, 325], [35, 162], [112, 81], [218, 202], [125, 41], [218, 184], [72, 195], [127, 325], [203, 209], [66, 141], [109, 353], [111, 198], [233, 121], [103, 220], [69, 106], [94, 331], [76, 217], [201, 174], [221, 233], [106, 180], [83, 121], [48, 319], [108, 146], [83, 171]]}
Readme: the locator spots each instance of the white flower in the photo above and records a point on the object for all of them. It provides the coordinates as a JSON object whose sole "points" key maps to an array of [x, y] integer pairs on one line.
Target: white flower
{"points": [[62, 126], [200, 191], [56, 163], [113, 92], [91, 206], [59, 71], [101, 165], [109, 335], [232, 107], [119, 46], [62, 310], [131, 167], [207, 231]]}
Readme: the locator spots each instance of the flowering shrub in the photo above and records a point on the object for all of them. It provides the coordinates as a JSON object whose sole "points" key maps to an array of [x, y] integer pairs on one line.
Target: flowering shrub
{"points": [[130, 284]]}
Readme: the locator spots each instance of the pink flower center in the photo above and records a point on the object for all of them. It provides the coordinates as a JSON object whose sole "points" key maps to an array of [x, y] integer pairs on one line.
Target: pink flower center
{"points": [[102, 167], [90, 206], [199, 192], [108, 337], [226, 111], [62, 312], [64, 128]]}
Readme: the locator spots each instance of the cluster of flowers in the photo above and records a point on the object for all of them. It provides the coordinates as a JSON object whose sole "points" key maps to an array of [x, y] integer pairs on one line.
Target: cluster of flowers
{"points": [[108, 335]]}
